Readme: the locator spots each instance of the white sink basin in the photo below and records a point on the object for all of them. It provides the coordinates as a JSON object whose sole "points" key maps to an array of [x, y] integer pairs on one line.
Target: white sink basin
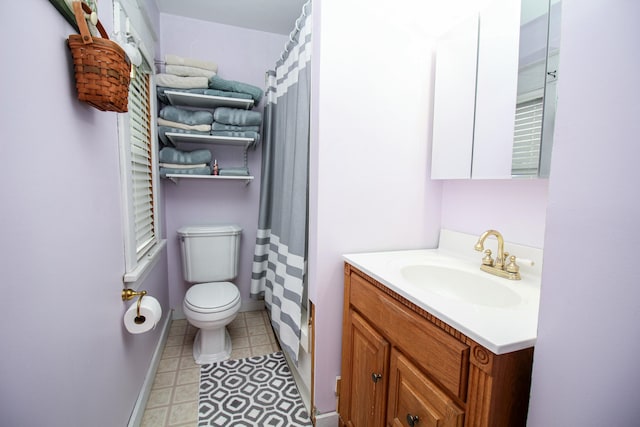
{"points": [[447, 282], [471, 288]]}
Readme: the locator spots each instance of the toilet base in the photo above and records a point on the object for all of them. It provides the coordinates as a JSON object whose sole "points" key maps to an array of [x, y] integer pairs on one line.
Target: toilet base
{"points": [[219, 356]]}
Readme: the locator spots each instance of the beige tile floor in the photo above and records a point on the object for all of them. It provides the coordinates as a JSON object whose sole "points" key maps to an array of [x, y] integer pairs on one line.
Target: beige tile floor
{"points": [[173, 400]]}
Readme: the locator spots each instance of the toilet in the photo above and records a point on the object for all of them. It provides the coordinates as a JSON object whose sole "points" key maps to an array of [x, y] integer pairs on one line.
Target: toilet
{"points": [[209, 263]]}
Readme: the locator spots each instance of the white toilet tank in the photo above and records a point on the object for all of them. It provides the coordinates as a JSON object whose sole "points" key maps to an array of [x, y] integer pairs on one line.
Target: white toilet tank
{"points": [[209, 253]]}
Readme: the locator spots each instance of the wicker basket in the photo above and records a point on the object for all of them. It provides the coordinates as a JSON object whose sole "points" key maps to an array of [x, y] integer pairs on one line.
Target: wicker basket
{"points": [[102, 68]]}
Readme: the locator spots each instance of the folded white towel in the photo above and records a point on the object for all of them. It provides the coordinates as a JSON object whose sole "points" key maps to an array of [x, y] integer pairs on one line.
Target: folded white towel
{"points": [[185, 71], [190, 62], [181, 165], [199, 128], [178, 82]]}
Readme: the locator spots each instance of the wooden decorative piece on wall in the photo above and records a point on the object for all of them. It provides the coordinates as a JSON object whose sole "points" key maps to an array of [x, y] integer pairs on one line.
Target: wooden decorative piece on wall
{"points": [[64, 7]]}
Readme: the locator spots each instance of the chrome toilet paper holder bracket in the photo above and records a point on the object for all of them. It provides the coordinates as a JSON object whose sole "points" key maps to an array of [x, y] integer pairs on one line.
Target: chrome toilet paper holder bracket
{"points": [[128, 294]]}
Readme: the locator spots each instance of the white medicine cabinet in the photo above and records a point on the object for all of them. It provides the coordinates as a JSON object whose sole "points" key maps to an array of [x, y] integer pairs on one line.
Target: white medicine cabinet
{"points": [[492, 76]]}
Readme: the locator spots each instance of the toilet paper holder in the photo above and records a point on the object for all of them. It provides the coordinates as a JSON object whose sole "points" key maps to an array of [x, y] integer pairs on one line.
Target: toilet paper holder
{"points": [[128, 294]]}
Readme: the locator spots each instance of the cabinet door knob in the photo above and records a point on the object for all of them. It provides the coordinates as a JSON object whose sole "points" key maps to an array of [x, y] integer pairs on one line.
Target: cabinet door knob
{"points": [[412, 420], [376, 377]]}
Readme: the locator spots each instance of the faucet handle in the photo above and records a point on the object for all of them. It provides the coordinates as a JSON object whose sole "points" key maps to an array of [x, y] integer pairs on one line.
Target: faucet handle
{"points": [[512, 267], [487, 260]]}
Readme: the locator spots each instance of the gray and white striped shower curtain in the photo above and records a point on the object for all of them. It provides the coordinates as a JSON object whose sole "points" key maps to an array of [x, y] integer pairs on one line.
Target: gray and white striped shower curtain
{"points": [[280, 258]]}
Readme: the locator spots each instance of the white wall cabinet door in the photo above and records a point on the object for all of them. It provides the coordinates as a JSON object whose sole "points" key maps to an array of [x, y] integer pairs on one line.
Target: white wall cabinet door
{"points": [[496, 89], [454, 101], [476, 86]]}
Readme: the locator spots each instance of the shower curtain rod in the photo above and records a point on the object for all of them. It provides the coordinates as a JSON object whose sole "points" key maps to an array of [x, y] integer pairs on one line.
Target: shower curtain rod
{"points": [[296, 30]]}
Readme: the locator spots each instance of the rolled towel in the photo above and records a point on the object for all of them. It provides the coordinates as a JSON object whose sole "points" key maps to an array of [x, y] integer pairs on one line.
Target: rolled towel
{"points": [[216, 82], [169, 123], [222, 126], [190, 62], [173, 155], [199, 91], [169, 80], [179, 166], [234, 171], [163, 130], [185, 71], [182, 171], [236, 116], [187, 117]]}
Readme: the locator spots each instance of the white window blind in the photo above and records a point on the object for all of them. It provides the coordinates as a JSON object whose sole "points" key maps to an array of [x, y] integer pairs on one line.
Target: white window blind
{"points": [[141, 163], [527, 137]]}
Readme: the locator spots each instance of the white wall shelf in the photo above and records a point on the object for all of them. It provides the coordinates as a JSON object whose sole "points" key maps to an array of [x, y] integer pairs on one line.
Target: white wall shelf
{"points": [[206, 101], [174, 177], [181, 138], [209, 102]]}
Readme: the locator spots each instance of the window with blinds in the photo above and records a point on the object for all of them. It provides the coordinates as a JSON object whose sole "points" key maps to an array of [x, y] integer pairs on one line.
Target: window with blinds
{"points": [[527, 137], [141, 164]]}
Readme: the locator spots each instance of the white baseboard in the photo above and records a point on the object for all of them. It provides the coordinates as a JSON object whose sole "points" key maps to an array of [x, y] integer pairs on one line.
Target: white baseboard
{"points": [[138, 410], [329, 419], [178, 314], [252, 305]]}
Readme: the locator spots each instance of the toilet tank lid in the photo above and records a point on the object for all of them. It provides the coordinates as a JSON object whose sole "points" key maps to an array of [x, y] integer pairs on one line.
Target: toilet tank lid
{"points": [[209, 230]]}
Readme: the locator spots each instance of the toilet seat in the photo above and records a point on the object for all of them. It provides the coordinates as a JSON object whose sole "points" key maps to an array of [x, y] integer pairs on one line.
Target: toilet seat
{"points": [[212, 297]]}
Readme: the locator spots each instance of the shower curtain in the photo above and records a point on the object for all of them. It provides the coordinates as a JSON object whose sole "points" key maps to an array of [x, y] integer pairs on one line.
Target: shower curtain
{"points": [[280, 257]]}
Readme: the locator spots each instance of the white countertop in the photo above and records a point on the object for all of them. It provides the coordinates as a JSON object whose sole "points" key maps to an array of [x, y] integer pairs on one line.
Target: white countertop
{"points": [[499, 329]]}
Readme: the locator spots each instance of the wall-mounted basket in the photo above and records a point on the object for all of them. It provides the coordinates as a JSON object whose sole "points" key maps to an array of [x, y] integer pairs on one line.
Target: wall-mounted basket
{"points": [[102, 69]]}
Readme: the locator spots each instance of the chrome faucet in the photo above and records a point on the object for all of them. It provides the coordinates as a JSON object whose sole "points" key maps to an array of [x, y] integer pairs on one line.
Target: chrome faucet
{"points": [[500, 267]]}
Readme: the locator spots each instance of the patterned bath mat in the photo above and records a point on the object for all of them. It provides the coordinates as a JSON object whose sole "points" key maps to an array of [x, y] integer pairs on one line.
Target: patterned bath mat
{"points": [[256, 391]]}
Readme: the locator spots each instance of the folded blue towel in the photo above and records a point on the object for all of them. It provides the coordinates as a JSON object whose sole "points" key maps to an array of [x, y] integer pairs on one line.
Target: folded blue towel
{"points": [[236, 116], [191, 171], [213, 92], [162, 130], [222, 126], [188, 117], [173, 155], [216, 82]]}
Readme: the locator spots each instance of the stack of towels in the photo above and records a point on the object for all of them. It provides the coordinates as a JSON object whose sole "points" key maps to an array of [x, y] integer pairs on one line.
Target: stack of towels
{"points": [[173, 161], [180, 120], [235, 122], [200, 77], [230, 122]]}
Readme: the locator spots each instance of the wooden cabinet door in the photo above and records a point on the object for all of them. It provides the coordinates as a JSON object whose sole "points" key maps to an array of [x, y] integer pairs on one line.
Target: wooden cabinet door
{"points": [[364, 392], [416, 401]]}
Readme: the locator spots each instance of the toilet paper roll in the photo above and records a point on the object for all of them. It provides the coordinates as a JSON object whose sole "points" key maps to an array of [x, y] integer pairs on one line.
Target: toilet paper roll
{"points": [[150, 315]]}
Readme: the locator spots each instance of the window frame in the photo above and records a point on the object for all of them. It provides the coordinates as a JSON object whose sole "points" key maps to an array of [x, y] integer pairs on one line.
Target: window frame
{"points": [[137, 265]]}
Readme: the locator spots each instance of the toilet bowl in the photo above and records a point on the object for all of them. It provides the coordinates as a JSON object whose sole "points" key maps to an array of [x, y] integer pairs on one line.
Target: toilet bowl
{"points": [[209, 261], [210, 307]]}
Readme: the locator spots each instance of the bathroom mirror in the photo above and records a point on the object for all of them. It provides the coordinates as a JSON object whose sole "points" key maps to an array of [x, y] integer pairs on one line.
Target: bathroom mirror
{"points": [[536, 94], [494, 106]]}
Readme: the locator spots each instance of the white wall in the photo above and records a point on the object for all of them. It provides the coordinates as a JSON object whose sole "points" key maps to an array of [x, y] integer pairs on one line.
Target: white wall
{"points": [[585, 364], [371, 117]]}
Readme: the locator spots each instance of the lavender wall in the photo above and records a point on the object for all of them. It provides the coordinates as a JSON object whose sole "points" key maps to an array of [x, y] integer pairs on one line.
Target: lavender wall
{"points": [[66, 357], [242, 55], [586, 361], [514, 207]]}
